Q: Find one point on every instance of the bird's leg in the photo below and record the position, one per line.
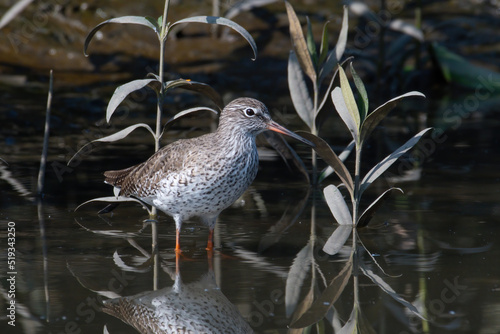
(178, 225)
(177, 241)
(210, 242)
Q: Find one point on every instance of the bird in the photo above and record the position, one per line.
(202, 176)
(195, 307)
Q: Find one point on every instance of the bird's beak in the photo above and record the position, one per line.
(273, 126)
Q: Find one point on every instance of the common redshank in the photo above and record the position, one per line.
(200, 177)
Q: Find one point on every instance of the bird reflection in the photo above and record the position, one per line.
(197, 307)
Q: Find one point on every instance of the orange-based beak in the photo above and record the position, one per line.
(273, 126)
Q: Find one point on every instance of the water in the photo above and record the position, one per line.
(433, 246)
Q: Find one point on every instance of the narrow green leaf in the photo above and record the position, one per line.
(338, 239)
(382, 166)
(349, 100)
(388, 289)
(296, 275)
(458, 70)
(323, 48)
(332, 80)
(115, 137)
(223, 22)
(343, 111)
(121, 92)
(362, 92)
(336, 54)
(326, 153)
(374, 118)
(337, 205)
(311, 46)
(299, 91)
(299, 43)
(140, 20)
(329, 296)
(368, 214)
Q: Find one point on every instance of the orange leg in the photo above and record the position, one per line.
(177, 241)
(210, 242)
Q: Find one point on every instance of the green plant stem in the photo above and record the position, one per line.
(314, 131)
(357, 197)
(161, 93)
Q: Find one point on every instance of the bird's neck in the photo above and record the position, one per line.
(236, 141)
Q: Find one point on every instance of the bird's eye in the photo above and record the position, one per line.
(249, 112)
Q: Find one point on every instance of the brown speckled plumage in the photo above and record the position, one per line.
(204, 175)
(193, 308)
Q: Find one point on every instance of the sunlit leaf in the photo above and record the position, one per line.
(387, 289)
(121, 92)
(323, 48)
(246, 5)
(140, 20)
(114, 137)
(338, 239)
(337, 205)
(112, 199)
(362, 9)
(342, 156)
(311, 46)
(299, 91)
(328, 155)
(362, 92)
(13, 12)
(329, 296)
(349, 99)
(368, 214)
(374, 118)
(299, 43)
(332, 80)
(343, 111)
(336, 54)
(223, 22)
(382, 166)
(406, 28)
(296, 275)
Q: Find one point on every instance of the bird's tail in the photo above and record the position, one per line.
(116, 177)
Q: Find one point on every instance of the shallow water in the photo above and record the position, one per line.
(435, 246)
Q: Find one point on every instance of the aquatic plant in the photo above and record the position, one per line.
(156, 81)
(318, 66)
(360, 124)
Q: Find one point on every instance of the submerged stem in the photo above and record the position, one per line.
(356, 196)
